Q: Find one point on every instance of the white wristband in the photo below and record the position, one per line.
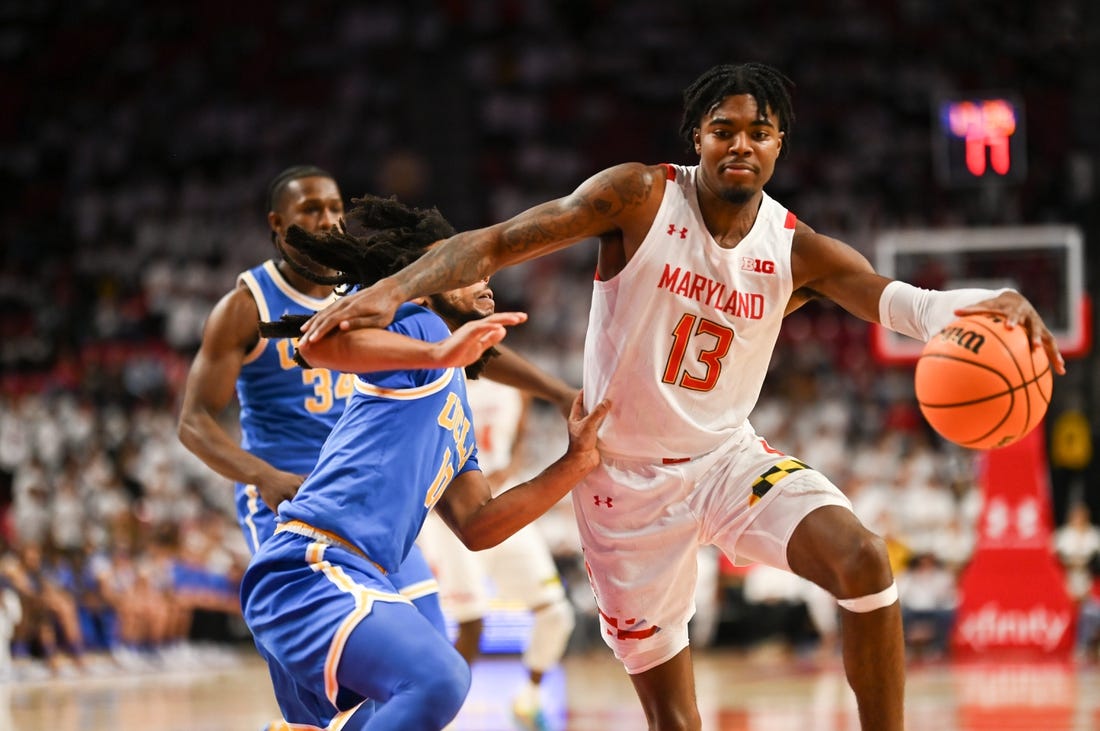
(921, 313)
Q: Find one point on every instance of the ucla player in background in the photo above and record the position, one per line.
(521, 568)
(318, 596)
(285, 412)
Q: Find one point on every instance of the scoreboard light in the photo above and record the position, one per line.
(980, 139)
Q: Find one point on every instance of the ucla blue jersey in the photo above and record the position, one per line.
(401, 440)
(286, 411)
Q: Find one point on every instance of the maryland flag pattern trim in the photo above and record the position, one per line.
(775, 473)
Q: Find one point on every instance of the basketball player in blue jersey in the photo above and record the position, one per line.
(285, 412)
(318, 596)
(697, 267)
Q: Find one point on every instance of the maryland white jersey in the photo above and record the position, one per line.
(497, 410)
(681, 338)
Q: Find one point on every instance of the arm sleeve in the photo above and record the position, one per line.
(921, 313)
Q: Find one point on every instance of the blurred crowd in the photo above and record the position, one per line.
(134, 185)
(134, 162)
(114, 541)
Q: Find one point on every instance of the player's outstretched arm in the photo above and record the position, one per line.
(368, 350)
(482, 521)
(598, 206)
(835, 270)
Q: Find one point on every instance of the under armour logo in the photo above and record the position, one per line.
(606, 502)
(672, 230)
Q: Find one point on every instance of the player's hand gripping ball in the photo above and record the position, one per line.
(980, 385)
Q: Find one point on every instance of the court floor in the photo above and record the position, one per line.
(738, 691)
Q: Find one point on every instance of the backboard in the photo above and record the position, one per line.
(1044, 263)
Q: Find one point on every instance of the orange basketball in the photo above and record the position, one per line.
(980, 385)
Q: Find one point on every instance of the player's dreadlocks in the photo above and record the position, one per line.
(768, 86)
(394, 235)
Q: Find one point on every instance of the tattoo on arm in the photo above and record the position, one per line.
(588, 212)
(614, 194)
(447, 266)
(547, 227)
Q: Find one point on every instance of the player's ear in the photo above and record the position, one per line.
(698, 140)
(275, 221)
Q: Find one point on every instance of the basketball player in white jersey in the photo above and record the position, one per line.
(520, 568)
(697, 267)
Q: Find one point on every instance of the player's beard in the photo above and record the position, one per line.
(456, 318)
(738, 196)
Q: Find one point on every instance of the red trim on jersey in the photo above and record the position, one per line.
(627, 634)
(791, 220)
(769, 448)
(596, 275)
(630, 634)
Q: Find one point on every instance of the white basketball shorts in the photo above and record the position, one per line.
(641, 525)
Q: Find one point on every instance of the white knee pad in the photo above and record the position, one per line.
(549, 635)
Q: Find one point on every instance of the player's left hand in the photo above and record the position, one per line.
(467, 343)
(583, 429)
(1017, 310)
(278, 486)
(371, 307)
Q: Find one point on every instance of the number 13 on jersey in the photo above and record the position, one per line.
(714, 342)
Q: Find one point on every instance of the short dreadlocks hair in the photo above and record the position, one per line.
(279, 183)
(393, 235)
(767, 85)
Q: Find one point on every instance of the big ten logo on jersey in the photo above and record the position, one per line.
(760, 266)
(453, 418)
(325, 391)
